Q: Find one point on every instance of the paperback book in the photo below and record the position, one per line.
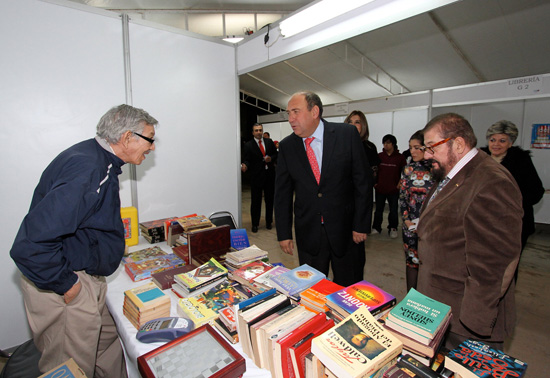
(316, 296)
(222, 295)
(201, 276)
(144, 254)
(357, 347)
(360, 294)
(420, 314)
(295, 281)
(195, 311)
(473, 359)
(143, 269)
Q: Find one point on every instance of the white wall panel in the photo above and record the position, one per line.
(190, 86)
(61, 70)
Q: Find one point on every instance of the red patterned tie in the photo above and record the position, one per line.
(312, 159)
(261, 147)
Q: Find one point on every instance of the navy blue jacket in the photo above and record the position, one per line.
(74, 219)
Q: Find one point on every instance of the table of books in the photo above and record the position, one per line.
(120, 282)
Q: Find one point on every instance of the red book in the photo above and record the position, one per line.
(316, 295)
(247, 273)
(297, 344)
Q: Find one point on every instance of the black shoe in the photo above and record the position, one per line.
(268, 226)
(254, 229)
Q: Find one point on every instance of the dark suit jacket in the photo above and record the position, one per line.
(469, 247)
(342, 198)
(253, 159)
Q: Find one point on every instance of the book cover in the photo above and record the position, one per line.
(264, 279)
(231, 335)
(356, 347)
(220, 296)
(147, 296)
(472, 359)
(239, 239)
(202, 275)
(213, 239)
(418, 368)
(420, 313)
(191, 223)
(144, 254)
(250, 271)
(361, 294)
(227, 316)
(165, 278)
(298, 279)
(143, 269)
(197, 312)
(183, 292)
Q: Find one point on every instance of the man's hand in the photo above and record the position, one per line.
(243, 167)
(358, 237)
(72, 292)
(267, 159)
(287, 246)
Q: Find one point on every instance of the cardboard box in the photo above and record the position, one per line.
(68, 369)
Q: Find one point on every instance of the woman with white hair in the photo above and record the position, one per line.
(500, 139)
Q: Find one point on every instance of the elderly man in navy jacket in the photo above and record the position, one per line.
(72, 237)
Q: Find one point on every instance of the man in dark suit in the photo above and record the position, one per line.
(469, 234)
(328, 183)
(260, 157)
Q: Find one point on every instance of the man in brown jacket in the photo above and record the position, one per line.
(469, 234)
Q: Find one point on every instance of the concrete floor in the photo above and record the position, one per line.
(385, 267)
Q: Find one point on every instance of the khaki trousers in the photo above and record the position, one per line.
(82, 329)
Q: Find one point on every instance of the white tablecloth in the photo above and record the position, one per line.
(120, 282)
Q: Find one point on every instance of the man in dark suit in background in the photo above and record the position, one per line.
(260, 157)
(324, 180)
(469, 234)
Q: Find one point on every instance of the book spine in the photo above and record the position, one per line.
(416, 367)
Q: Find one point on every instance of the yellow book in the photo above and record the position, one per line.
(196, 311)
(129, 217)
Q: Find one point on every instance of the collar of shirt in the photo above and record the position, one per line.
(317, 144)
(103, 143)
(462, 162)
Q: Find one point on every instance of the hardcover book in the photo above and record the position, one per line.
(360, 294)
(357, 347)
(201, 276)
(165, 279)
(143, 269)
(214, 239)
(297, 280)
(473, 359)
(419, 313)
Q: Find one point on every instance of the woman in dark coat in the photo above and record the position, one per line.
(357, 118)
(500, 139)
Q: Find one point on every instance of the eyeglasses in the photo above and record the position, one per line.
(150, 140)
(431, 148)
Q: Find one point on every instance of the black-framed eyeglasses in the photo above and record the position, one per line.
(150, 140)
(431, 148)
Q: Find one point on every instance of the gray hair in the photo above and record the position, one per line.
(123, 118)
(503, 127)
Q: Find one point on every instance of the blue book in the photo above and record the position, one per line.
(295, 281)
(239, 239)
(252, 300)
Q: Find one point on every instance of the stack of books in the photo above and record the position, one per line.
(145, 303)
(344, 302)
(153, 231)
(153, 260)
(226, 324)
(248, 273)
(315, 297)
(165, 279)
(238, 259)
(357, 347)
(420, 323)
(194, 223)
(407, 366)
(199, 280)
(473, 359)
(297, 280)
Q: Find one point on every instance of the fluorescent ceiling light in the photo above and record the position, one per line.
(318, 13)
(233, 39)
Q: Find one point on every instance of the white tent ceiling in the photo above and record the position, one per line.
(467, 42)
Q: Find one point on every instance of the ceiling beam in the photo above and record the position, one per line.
(456, 47)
